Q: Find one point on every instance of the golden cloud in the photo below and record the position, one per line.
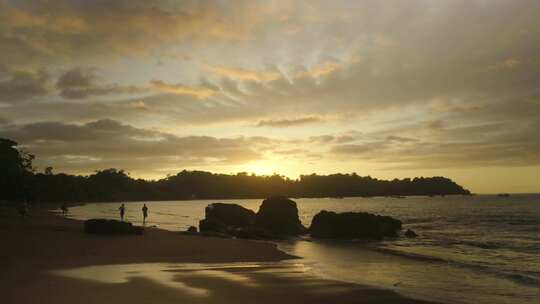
(506, 64)
(60, 30)
(242, 74)
(284, 123)
(321, 69)
(18, 18)
(178, 89)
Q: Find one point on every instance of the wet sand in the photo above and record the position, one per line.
(49, 259)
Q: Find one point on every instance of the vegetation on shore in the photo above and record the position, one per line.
(20, 181)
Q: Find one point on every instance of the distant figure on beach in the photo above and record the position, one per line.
(64, 208)
(22, 208)
(122, 212)
(144, 213)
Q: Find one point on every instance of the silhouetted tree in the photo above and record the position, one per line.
(112, 184)
(16, 171)
(48, 171)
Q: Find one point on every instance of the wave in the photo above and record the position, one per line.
(532, 278)
(529, 246)
(422, 220)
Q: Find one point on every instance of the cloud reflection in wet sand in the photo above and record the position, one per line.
(173, 275)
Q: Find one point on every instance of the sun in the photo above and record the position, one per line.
(260, 168)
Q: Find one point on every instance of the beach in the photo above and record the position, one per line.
(48, 258)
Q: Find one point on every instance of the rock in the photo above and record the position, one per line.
(353, 225)
(221, 217)
(192, 229)
(110, 227)
(230, 214)
(410, 234)
(212, 225)
(252, 232)
(279, 216)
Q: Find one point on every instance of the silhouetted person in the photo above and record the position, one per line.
(64, 208)
(122, 211)
(22, 208)
(144, 213)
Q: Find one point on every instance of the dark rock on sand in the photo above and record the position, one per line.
(192, 229)
(212, 225)
(279, 216)
(410, 234)
(353, 225)
(110, 227)
(221, 217)
(252, 232)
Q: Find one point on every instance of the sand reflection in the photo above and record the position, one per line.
(176, 275)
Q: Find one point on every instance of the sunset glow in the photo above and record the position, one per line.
(382, 88)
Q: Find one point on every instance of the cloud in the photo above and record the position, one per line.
(382, 40)
(285, 123)
(483, 145)
(77, 78)
(80, 31)
(79, 82)
(401, 139)
(22, 85)
(138, 104)
(321, 69)
(178, 89)
(103, 143)
(322, 138)
(383, 68)
(508, 63)
(436, 124)
(355, 149)
(331, 139)
(291, 152)
(511, 63)
(242, 74)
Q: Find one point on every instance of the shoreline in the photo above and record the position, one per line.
(45, 242)
(56, 238)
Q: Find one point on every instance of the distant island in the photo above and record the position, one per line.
(21, 182)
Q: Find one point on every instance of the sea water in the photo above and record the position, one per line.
(470, 249)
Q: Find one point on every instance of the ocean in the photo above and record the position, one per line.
(470, 249)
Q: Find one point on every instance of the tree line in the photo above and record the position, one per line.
(19, 181)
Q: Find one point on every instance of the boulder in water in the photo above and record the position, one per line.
(110, 227)
(221, 217)
(353, 225)
(410, 234)
(279, 216)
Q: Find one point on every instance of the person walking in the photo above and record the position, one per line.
(144, 213)
(22, 208)
(122, 212)
(64, 208)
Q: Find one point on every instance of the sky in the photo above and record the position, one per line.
(390, 89)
